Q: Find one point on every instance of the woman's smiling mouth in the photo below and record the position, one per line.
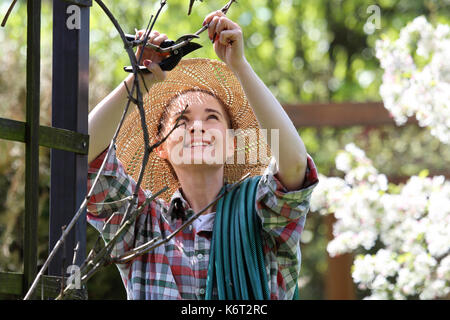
(195, 144)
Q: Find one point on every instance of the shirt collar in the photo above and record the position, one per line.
(207, 221)
(177, 195)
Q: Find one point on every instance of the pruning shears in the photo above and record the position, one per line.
(173, 50)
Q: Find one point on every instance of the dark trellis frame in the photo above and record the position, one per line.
(67, 138)
(70, 86)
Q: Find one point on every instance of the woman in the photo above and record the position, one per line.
(195, 162)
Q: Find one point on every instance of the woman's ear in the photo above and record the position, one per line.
(162, 152)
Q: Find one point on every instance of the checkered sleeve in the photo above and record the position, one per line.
(276, 205)
(109, 198)
(283, 215)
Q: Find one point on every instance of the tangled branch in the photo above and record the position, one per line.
(98, 258)
(11, 7)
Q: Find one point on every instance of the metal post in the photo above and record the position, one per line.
(32, 141)
(69, 111)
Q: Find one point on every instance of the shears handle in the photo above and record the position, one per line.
(166, 65)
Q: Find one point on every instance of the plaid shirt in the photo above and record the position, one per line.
(178, 269)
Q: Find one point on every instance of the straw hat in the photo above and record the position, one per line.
(203, 74)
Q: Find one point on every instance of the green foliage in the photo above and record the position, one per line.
(304, 50)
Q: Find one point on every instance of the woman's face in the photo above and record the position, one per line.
(203, 138)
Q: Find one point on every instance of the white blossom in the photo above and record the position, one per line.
(364, 269)
(409, 88)
(343, 161)
(411, 225)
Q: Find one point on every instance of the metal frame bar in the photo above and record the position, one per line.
(81, 3)
(32, 141)
(49, 137)
(69, 111)
(13, 284)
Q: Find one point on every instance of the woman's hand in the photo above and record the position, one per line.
(228, 41)
(151, 58)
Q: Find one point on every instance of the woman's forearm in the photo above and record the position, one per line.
(292, 157)
(105, 117)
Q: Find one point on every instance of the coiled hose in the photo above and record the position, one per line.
(236, 266)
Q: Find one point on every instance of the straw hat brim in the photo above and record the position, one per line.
(201, 74)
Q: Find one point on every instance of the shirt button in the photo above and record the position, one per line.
(201, 291)
(200, 256)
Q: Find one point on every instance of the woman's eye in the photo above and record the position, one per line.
(212, 116)
(182, 119)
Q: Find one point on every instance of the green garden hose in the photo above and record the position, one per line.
(226, 250)
(236, 266)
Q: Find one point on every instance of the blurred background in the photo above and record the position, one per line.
(306, 51)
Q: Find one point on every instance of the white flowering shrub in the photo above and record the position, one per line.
(410, 223)
(416, 78)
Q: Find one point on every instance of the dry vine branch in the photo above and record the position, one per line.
(11, 7)
(133, 60)
(97, 259)
(146, 247)
(102, 258)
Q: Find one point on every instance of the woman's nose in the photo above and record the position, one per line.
(197, 126)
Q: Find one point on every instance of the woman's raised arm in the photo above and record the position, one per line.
(229, 46)
(105, 117)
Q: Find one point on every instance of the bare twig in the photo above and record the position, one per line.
(63, 271)
(184, 42)
(94, 260)
(126, 225)
(100, 257)
(191, 3)
(113, 202)
(133, 253)
(97, 256)
(140, 106)
(75, 252)
(83, 206)
(11, 7)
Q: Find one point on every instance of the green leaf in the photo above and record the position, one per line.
(424, 173)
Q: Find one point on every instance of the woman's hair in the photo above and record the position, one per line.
(165, 114)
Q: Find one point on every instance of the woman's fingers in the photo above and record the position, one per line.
(210, 16)
(227, 38)
(159, 39)
(157, 72)
(211, 20)
(225, 24)
(218, 22)
(141, 35)
(155, 38)
(212, 26)
(151, 57)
